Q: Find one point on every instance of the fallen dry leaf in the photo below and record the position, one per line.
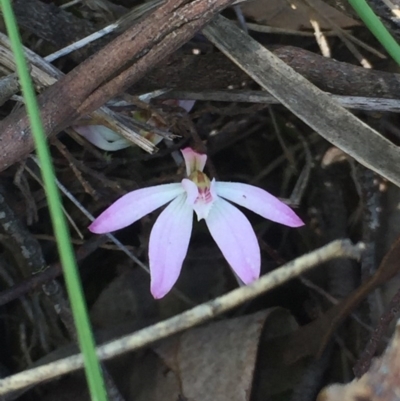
(216, 362)
(125, 299)
(281, 14)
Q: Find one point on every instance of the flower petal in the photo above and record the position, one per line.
(259, 201)
(133, 206)
(192, 191)
(235, 237)
(186, 104)
(102, 137)
(169, 241)
(194, 161)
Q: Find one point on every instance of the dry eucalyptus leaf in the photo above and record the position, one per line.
(143, 377)
(274, 378)
(216, 362)
(125, 299)
(282, 14)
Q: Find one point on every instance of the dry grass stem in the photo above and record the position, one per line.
(255, 96)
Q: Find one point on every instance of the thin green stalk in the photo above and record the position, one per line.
(375, 25)
(67, 257)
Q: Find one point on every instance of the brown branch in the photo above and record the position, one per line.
(215, 71)
(340, 78)
(96, 80)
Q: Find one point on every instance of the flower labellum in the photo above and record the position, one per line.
(210, 200)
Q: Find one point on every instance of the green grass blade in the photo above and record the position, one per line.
(375, 25)
(67, 257)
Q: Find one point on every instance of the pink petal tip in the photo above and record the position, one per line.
(194, 161)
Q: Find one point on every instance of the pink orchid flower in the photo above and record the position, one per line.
(169, 238)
